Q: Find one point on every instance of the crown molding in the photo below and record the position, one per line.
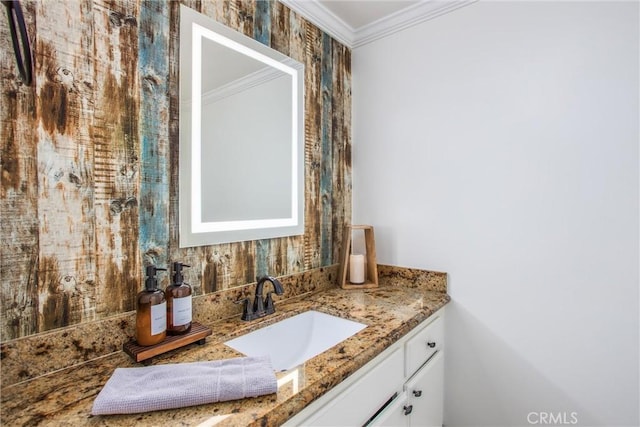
(324, 19)
(328, 22)
(405, 18)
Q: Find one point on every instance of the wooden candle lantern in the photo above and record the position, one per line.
(370, 264)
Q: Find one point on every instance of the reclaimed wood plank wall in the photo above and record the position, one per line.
(89, 183)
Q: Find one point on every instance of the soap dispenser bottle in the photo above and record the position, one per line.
(179, 311)
(151, 311)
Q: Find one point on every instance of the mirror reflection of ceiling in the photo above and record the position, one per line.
(222, 65)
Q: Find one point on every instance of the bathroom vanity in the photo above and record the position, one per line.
(403, 386)
(390, 368)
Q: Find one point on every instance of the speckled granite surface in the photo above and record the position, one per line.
(389, 275)
(36, 355)
(405, 298)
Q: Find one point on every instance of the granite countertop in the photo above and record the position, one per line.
(65, 397)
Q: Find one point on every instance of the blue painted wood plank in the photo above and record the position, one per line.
(153, 66)
(263, 255)
(326, 171)
(262, 33)
(262, 22)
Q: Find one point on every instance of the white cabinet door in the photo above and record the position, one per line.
(425, 392)
(356, 405)
(396, 414)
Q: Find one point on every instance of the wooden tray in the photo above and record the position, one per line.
(139, 353)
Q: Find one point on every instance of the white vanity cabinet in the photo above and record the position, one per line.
(395, 414)
(421, 402)
(360, 400)
(425, 394)
(403, 386)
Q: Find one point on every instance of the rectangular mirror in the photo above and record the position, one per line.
(241, 166)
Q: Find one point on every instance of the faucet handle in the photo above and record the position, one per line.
(247, 309)
(269, 308)
(258, 305)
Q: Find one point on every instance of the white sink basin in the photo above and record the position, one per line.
(291, 342)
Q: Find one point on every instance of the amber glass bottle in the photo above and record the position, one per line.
(151, 311)
(179, 311)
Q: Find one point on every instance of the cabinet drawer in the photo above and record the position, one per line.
(395, 414)
(362, 399)
(423, 345)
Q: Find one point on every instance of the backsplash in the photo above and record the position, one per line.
(32, 356)
(36, 355)
(89, 181)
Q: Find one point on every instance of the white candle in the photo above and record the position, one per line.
(356, 268)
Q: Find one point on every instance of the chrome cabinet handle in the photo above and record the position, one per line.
(417, 393)
(431, 344)
(408, 409)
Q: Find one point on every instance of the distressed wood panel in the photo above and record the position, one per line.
(262, 22)
(296, 41)
(64, 83)
(90, 158)
(153, 45)
(326, 163)
(18, 195)
(117, 154)
(281, 28)
(313, 145)
(295, 36)
(241, 16)
(341, 140)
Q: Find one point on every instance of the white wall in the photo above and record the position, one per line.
(499, 143)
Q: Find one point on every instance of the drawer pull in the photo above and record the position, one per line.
(417, 393)
(431, 344)
(408, 409)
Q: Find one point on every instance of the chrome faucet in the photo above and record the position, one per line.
(261, 307)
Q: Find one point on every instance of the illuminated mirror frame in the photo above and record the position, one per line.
(193, 231)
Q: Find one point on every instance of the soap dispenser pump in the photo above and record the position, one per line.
(151, 311)
(179, 309)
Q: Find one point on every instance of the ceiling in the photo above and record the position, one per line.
(358, 22)
(358, 13)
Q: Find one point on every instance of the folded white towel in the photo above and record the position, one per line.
(152, 388)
